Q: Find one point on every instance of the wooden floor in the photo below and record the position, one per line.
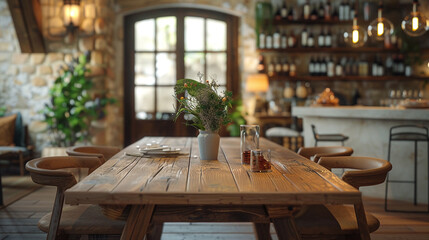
(19, 221)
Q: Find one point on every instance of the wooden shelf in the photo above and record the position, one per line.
(313, 22)
(348, 78)
(314, 50)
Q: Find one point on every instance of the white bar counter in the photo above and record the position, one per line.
(368, 131)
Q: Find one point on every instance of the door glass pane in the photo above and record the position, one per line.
(166, 103)
(216, 66)
(166, 33)
(144, 32)
(216, 35)
(166, 68)
(194, 63)
(144, 102)
(194, 34)
(144, 69)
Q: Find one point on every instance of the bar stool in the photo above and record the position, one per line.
(327, 137)
(414, 133)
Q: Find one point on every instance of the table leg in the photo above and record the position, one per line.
(138, 222)
(284, 221)
(262, 231)
(361, 221)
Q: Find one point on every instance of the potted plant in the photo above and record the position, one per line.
(72, 108)
(206, 109)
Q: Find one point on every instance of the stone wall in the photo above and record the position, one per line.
(25, 85)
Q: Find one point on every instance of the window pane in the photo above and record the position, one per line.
(194, 34)
(144, 102)
(144, 69)
(216, 35)
(166, 68)
(216, 66)
(166, 33)
(166, 103)
(194, 63)
(145, 35)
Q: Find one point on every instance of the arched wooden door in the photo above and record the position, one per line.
(161, 46)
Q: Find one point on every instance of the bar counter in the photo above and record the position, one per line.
(368, 131)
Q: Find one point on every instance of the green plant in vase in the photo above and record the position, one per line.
(206, 109)
(72, 108)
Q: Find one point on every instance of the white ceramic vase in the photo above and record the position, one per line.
(208, 143)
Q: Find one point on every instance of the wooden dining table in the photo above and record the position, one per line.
(184, 188)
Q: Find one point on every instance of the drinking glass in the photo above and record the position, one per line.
(249, 140)
(260, 160)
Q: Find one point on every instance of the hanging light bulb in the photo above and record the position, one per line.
(357, 36)
(380, 27)
(415, 23)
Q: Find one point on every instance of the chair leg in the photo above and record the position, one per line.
(21, 163)
(387, 177)
(56, 214)
(415, 172)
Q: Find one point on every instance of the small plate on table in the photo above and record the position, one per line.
(415, 103)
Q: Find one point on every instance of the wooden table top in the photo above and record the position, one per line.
(186, 179)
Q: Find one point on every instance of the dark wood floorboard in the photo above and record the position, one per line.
(19, 221)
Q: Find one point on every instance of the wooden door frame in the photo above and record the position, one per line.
(232, 78)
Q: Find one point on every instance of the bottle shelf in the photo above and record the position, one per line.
(314, 50)
(312, 22)
(348, 78)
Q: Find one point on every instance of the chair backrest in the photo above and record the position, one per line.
(314, 153)
(47, 171)
(313, 128)
(367, 171)
(410, 132)
(104, 153)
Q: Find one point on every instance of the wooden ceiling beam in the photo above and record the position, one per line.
(26, 19)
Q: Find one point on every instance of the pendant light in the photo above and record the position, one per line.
(381, 26)
(357, 36)
(415, 23)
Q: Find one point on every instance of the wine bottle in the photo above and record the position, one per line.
(338, 69)
(291, 14)
(321, 11)
(311, 67)
(276, 39)
(352, 11)
(261, 64)
(306, 10)
(341, 11)
(321, 40)
(261, 40)
(314, 13)
(310, 40)
(317, 67)
(328, 38)
(270, 69)
(291, 41)
(285, 67)
(304, 37)
(283, 40)
(278, 67)
(277, 14)
(269, 41)
(292, 69)
(323, 67)
(330, 68)
(328, 10)
(283, 11)
(346, 11)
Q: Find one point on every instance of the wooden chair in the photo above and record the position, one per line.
(104, 153)
(327, 137)
(71, 220)
(339, 221)
(314, 153)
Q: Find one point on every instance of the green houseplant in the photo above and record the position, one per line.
(72, 108)
(207, 110)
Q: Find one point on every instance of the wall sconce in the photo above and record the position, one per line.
(415, 23)
(380, 26)
(72, 17)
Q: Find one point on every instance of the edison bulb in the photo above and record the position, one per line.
(356, 37)
(414, 24)
(380, 27)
